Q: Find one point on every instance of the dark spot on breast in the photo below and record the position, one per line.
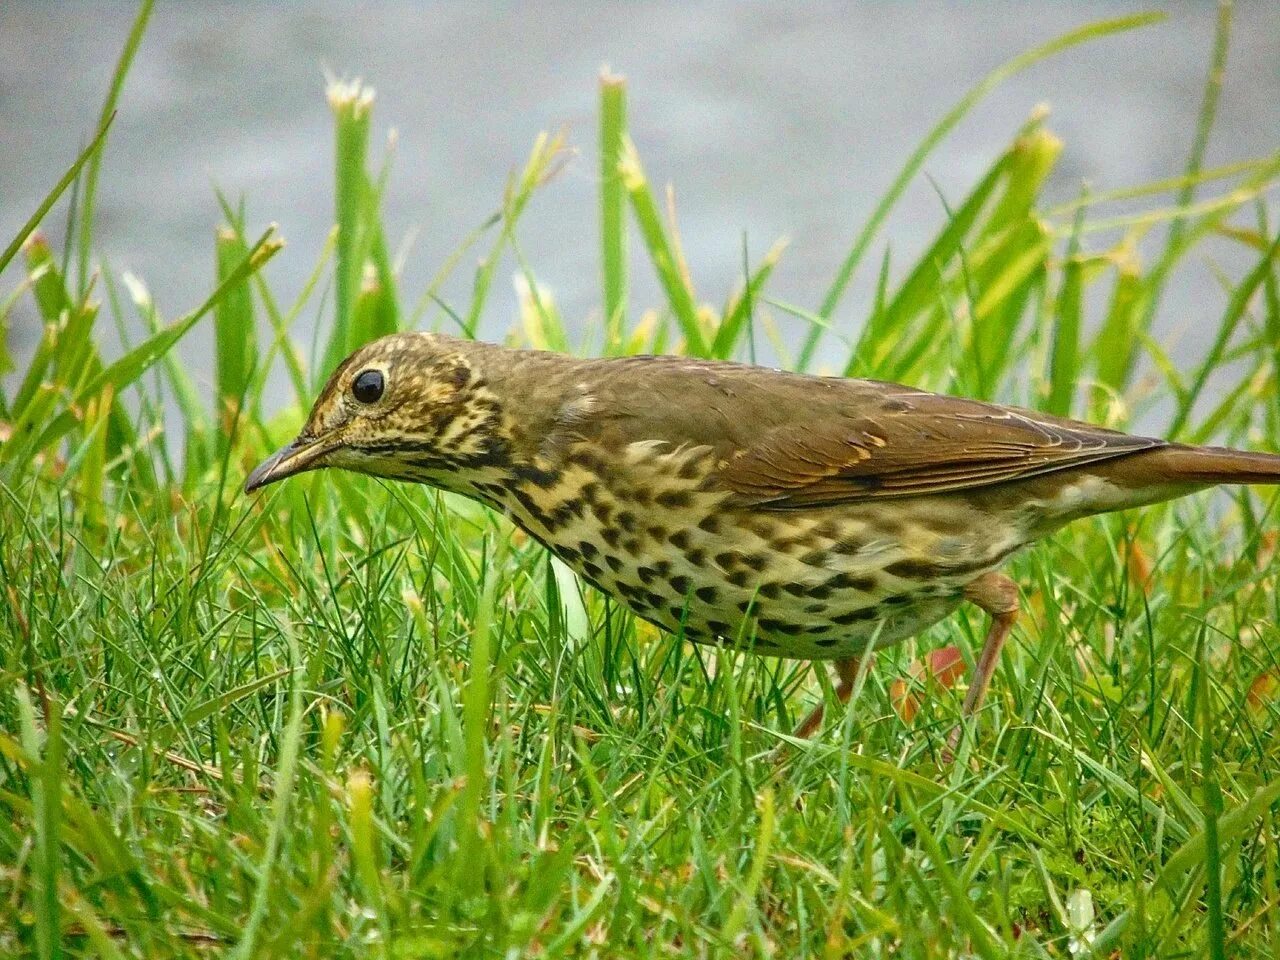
(603, 511)
(594, 582)
(531, 507)
(747, 605)
(567, 511)
(756, 561)
(588, 460)
(677, 613)
(655, 600)
(770, 590)
(591, 492)
(646, 574)
(627, 521)
(630, 591)
(460, 376)
(611, 536)
(739, 578)
(591, 569)
(631, 546)
(916, 569)
(614, 563)
(689, 468)
(679, 540)
(828, 642)
(728, 558)
(706, 594)
(710, 523)
(856, 616)
(587, 548)
(538, 476)
(796, 589)
(655, 533)
(815, 558)
(697, 557)
(815, 608)
(847, 581)
(673, 499)
(680, 584)
(719, 626)
(441, 418)
(898, 600)
(848, 545)
(663, 567)
(781, 626)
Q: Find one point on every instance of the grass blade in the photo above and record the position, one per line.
(544, 162)
(662, 251)
(46, 781)
(1239, 303)
(364, 851)
(123, 64)
(141, 358)
(1116, 346)
(738, 312)
(352, 106)
(1212, 793)
(234, 329)
(613, 200)
(52, 196)
(1064, 361)
(935, 136)
(1186, 195)
(286, 774)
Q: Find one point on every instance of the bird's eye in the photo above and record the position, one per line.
(368, 385)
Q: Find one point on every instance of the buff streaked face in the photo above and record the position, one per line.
(396, 396)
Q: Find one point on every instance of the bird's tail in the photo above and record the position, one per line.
(1179, 463)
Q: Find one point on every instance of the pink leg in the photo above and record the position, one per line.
(847, 671)
(997, 595)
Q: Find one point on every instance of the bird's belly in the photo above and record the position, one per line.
(824, 583)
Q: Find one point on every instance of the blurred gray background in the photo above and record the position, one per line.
(771, 119)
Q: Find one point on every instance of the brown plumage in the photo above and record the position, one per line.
(788, 514)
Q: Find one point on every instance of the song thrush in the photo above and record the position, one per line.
(792, 515)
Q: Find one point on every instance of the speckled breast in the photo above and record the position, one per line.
(654, 532)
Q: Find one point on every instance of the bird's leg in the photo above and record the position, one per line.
(847, 671)
(997, 595)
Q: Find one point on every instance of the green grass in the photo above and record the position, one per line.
(352, 719)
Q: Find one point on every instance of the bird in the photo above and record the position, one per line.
(780, 513)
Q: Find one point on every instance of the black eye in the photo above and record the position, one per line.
(367, 386)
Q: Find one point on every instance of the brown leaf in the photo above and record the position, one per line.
(939, 669)
(1264, 689)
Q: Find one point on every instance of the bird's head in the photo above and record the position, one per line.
(410, 406)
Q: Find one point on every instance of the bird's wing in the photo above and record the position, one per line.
(909, 443)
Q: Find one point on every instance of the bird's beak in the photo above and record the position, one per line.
(294, 457)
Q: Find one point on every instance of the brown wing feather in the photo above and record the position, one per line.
(919, 443)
